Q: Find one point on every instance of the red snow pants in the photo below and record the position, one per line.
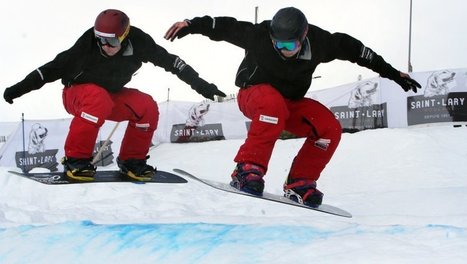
(91, 105)
(271, 113)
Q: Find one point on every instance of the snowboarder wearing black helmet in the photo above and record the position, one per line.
(281, 56)
(94, 72)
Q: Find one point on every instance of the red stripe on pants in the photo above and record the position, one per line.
(308, 118)
(94, 101)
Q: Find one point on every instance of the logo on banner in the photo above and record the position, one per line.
(106, 156)
(362, 111)
(37, 155)
(195, 129)
(440, 83)
(438, 103)
(363, 95)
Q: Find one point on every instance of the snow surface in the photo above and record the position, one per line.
(406, 189)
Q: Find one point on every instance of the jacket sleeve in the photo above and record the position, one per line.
(46, 73)
(239, 33)
(50, 71)
(169, 62)
(344, 47)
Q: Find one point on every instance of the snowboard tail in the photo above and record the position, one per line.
(53, 178)
(325, 208)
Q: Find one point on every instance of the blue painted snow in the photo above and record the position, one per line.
(81, 242)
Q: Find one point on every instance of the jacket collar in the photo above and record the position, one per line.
(128, 49)
(305, 52)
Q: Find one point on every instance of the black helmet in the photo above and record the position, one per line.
(288, 24)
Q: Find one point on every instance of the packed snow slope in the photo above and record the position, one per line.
(406, 189)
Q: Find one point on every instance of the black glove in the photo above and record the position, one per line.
(407, 83)
(33, 81)
(208, 90)
(13, 92)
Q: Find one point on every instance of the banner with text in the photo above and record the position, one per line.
(181, 122)
(367, 104)
(379, 102)
(43, 145)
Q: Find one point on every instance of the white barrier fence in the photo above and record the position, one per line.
(378, 102)
(368, 104)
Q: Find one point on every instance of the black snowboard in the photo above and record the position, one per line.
(101, 176)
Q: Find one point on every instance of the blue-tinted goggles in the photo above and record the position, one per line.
(108, 41)
(288, 45)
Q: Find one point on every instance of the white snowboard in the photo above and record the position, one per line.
(266, 196)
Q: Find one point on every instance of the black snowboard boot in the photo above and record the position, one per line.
(136, 169)
(81, 170)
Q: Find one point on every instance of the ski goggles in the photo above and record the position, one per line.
(288, 45)
(108, 41)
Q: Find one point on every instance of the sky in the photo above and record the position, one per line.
(406, 189)
(33, 33)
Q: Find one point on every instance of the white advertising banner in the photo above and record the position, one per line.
(442, 99)
(41, 145)
(379, 102)
(367, 104)
(7, 129)
(357, 106)
(181, 122)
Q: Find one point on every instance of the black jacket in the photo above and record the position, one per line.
(292, 78)
(85, 62)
